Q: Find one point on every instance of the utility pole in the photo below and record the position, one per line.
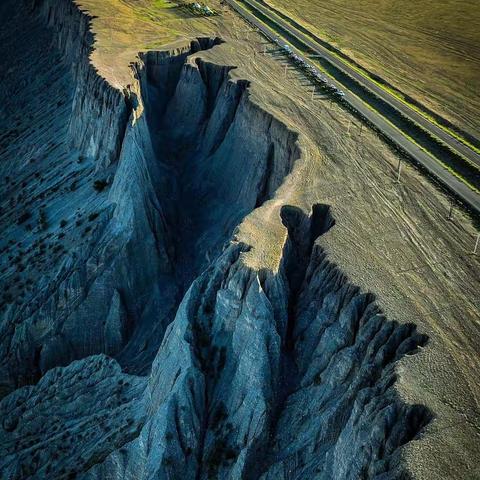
(476, 244)
(399, 170)
(286, 66)
(450, 213)
(313, 92)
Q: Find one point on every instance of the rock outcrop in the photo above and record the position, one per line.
(136, 342)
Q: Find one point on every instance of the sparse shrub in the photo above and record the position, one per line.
(63, 223)
(7, 297)
(100, 185)
(42, 220)
(92, 216)
(24, 217)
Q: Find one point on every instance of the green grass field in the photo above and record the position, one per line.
(430, 50)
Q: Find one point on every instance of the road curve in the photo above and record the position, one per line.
(432, 165)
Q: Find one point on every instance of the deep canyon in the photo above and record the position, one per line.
(137, 342)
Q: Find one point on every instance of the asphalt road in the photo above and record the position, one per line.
(470, 197)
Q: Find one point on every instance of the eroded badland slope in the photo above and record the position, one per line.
(207, 274)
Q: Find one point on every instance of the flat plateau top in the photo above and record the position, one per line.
(125, 27)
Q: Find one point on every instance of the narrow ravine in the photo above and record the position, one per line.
(212, 168)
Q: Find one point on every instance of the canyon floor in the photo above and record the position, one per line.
(208, 273)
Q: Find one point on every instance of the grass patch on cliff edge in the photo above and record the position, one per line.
(122, 28)
(163, 4)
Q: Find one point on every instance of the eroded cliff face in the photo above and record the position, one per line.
(110, 296)
(148, 347)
